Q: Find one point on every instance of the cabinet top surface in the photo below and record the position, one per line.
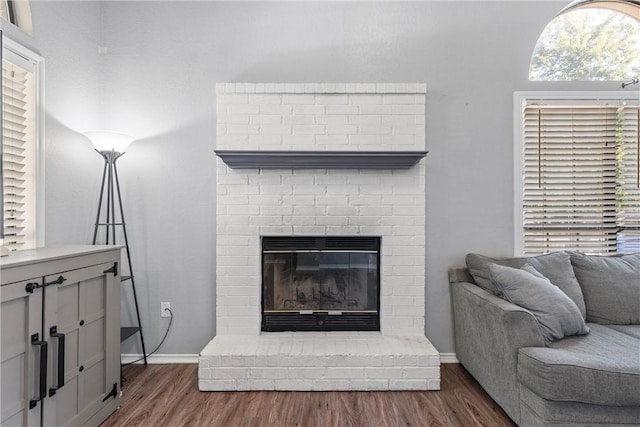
(52, 253)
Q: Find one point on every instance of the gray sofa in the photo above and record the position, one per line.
(587, 379)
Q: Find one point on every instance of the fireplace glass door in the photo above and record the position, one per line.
(320, 284)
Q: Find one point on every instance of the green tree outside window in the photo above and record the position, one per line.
(588, 44)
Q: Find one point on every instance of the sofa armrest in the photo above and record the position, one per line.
(488, 333)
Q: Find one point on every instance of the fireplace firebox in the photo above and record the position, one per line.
(320, 284)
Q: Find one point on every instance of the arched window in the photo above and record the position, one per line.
(590, 40)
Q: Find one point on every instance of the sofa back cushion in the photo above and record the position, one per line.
(555, 266)
(611, 287)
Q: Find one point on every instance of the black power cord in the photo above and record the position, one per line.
(161, 342)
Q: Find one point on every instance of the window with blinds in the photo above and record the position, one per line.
(18, 151)
(580, 177)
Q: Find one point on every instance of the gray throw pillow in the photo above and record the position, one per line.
(555, 266)
(557, 315)
(611, 287)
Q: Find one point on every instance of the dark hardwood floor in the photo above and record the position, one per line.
(167, 395)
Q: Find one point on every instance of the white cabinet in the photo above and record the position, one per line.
(60, 332)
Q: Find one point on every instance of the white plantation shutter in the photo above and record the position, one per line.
(18, 151)
(579, 173)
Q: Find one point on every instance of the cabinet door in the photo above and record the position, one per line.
(85, 309)
(21, 315)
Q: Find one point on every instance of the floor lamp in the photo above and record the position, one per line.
(111, 146)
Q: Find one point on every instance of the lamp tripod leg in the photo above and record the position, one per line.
(126, 243)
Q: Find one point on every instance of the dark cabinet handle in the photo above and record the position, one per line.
(113, 393)
(32, 286)
(58, 281)
(43, 370)
(61, 351)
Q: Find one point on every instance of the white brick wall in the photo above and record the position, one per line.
(282, 202)
(385, 203)
(324, 202)
(321, 117)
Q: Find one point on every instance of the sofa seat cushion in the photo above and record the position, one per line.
(633, 330)
(601, 368)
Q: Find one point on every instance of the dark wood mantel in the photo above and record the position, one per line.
(245, 159)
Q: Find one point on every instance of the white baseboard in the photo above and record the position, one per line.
(193, 358)
(161, 359)
(448, 358)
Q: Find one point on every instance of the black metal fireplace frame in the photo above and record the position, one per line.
(320, 320)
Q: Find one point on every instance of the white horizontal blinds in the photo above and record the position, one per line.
(18, 151)
(628, 179)
(569, 193)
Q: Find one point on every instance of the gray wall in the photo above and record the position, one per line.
(66, 35)
(156, 78)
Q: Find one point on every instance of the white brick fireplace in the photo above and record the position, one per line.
(352, 134)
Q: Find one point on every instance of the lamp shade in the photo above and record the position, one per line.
(109, 141)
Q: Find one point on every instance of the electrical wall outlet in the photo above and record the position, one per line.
(164, 309)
